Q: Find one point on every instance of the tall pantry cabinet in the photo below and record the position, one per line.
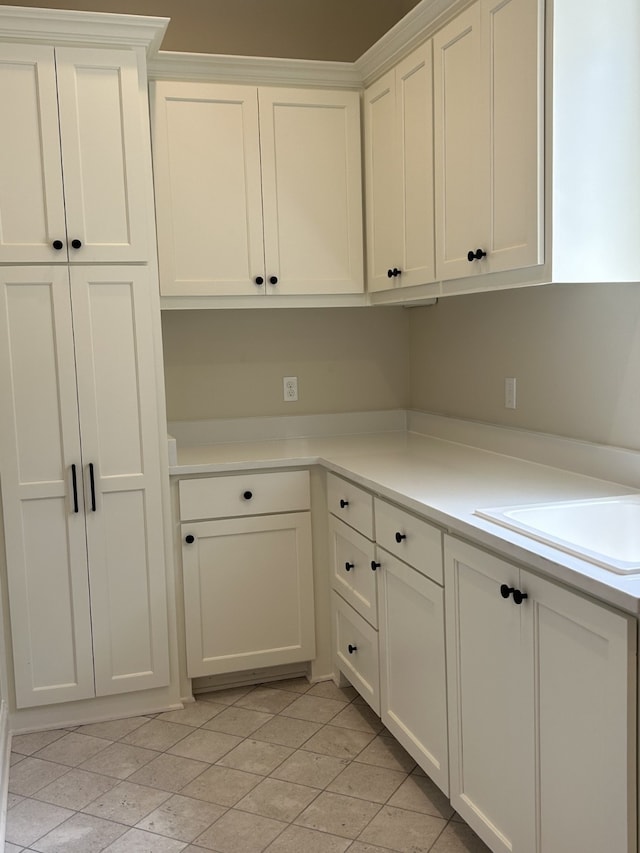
(80, 425)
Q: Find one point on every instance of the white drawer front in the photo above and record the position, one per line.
(350, 503)
(244, 494)
(410, 538)
(352, 556)
(357, 652)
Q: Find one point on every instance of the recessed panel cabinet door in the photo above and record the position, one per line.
(248, 593)
(311, 177)
(103, 154)
(118, 419)
(208, 189)
(43, 512)
(31, 198)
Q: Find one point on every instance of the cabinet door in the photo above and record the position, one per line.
(461, 119)
(413, 684)
(487, 740)
(103, 154)
(44, 527)
(120, 450)
(311, 178)
(208, 189)
(414, 123)
(248, 593)
(31, 199)
(512, 55)
(579, 702)
(383, 176)
(351, 571)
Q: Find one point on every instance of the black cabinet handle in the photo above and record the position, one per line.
(92, 482)
(348, 566)
(505, 591)
(519, 596)
(400, 537)
(74, 483)
(375, 565)
(247, 495)
(189, 538)
(57, 245)
(476, 256)
(343, 503)
(273, 279)
(394, 272)
(259, 280)
(351, 649)
(77, 244)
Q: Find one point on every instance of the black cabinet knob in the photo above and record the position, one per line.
(189, 538)
(400, 537)
(247, 495)
(259, 280)
(394, 272)
(57, 245)
(374, 565)
(476, 256)
(77, 244)
(273, 279)
(505, 591)
(519, 596)
(343, 503)
(351, 649)
(349, 566)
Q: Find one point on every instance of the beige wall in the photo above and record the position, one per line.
(302, 29)
(226, 364)
(574, 349)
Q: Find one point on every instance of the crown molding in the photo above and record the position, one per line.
(412, 30)
(65, 27)
(253, 70)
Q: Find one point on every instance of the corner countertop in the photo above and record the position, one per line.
(444, 482)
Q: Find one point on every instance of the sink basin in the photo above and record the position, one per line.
(604, 531)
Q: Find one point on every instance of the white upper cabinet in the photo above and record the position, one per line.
(488, 72)
(257, 190)
(71, 186)
(399, 174)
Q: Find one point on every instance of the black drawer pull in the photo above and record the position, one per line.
(92, 483)
(57, 245)
(374, 565)
(351, 649)
(400, 536)
(343, 503)
(519, 596)
(247, 495)
(77, 244)
(349, 566)
(74, 482)
(189, 538)
(505, 590)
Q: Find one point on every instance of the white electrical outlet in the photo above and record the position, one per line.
(290, 388)
(510, 392)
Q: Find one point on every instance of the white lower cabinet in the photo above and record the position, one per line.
(542, 697)
(81, 483)
(248, 579)
(389, 619)
(413, 687)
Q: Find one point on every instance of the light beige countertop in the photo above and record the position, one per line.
(443, 481)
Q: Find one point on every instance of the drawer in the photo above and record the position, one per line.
(350, 503)
(244, 494)
(410, 538)
(357, 651)
(351, 574)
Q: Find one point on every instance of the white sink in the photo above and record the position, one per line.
(604, 531)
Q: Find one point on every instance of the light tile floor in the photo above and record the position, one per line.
(282, 767)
